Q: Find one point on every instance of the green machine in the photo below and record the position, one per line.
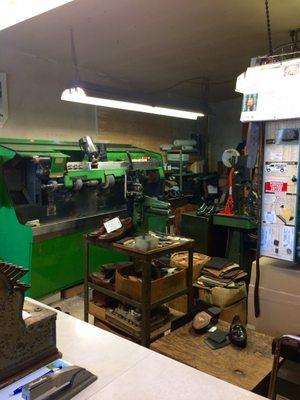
(52, 192)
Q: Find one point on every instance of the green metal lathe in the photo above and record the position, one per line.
(52, 192)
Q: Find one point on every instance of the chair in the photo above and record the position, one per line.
(286, 347)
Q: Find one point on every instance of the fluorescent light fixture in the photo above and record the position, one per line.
(14, 11)
(240, 86)
(82, 93)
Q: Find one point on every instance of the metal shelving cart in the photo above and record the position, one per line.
(145, 261)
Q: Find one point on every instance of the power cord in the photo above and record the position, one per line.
(268, 20)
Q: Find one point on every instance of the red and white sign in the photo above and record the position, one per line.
(275, 186)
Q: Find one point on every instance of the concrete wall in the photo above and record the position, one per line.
(225, 129)
(142, 130)
(35, 108)
(36, 111)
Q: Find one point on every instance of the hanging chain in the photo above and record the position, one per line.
(74, 55)
(269, 28)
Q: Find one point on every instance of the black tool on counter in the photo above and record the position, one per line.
(217, 339)
(61, 385)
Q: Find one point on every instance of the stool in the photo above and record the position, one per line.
(287, 347)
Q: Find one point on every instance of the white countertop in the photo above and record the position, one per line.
(127, 371)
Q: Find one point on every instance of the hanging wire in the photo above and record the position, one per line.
(269, 27)
(74, 55)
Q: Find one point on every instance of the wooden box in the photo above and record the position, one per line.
(160, 288)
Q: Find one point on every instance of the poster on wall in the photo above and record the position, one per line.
(279, 222)
(270, 91)
(3, 99)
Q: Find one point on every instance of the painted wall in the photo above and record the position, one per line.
(225, 128)
(36, 111)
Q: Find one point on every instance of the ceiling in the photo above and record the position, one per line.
(152, 45)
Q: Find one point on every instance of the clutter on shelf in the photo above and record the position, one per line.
(222, 284)
(113, 229)
(221, 272)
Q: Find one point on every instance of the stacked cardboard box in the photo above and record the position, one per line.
(221, 284)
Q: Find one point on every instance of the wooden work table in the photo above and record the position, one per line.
(247, 368)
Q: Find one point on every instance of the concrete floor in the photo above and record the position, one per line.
(73, 306)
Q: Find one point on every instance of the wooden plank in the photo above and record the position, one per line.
(245, 368)
(97, 311)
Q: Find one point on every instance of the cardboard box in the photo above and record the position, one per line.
(239, 308)
(279, 294)
(222, 297)
(160, 288)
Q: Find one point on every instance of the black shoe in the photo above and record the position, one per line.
(210, 211)
(238, 333)
(201, 209)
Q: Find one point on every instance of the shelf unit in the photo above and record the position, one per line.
(181, 174)
(145, 261)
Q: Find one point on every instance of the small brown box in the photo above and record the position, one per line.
(239, 308)
(160, 288)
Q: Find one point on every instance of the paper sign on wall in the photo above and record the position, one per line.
(275, 186)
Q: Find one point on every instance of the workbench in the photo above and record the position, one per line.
(240, 248)
(247, 368)
(222, 236)
(145, 259)
(126, 370)
(206, 235)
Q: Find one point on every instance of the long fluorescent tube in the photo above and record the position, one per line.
(14, 11)
(78, 95)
